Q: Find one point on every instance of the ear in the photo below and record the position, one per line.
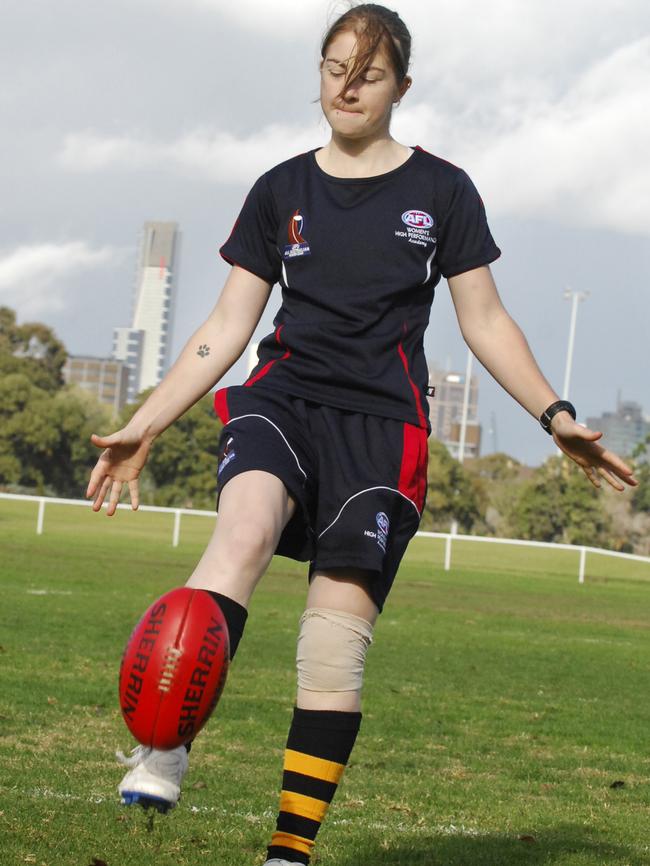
(404, 86)
(401, 90)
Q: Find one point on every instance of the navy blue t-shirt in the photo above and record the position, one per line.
(358, 260)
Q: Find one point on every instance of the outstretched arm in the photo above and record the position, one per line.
(207, 356)
(499, 344)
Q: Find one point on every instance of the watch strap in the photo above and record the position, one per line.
(559, 406)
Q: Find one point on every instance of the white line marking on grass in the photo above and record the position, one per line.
(267, 815)
(441, 829)
(49, 794)
(48, 592)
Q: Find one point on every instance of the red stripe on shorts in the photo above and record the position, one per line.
(221, 405)
(413, 471)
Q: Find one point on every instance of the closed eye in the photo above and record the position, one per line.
(363, 77)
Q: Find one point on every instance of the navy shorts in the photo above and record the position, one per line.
(359, 480)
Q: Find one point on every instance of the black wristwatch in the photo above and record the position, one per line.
(559, 406)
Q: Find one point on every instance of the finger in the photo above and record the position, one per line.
(103, 490)
(96, 478)
(106, 441)
(116, 490)
(614, 464)
(610, 479)
(592, 475)
(134, 490)
(586, 433)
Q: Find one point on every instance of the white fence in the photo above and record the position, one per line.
(580, 550)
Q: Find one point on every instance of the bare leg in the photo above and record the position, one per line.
(254, 508)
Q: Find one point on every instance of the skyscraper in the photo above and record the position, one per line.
(446, 411)
(146, 345)
(623, 429)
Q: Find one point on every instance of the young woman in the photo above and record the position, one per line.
(324, 448)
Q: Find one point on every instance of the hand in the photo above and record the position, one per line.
(121, 462)
(581, 445)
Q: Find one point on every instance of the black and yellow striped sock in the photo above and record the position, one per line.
(318, 748)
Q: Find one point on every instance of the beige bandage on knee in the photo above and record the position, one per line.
(332, 648)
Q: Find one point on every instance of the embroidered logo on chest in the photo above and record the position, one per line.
(297, 245)
(419, 228)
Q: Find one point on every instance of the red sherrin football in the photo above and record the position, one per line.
(174, 668)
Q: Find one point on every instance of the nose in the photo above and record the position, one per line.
(350, 95)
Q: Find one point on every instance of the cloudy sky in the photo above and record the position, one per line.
(115, 113)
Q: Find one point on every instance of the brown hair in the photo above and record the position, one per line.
(374, 26)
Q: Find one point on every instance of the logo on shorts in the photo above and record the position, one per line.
(381, 534)
(383, 525)
(297, 245)
(227, 455)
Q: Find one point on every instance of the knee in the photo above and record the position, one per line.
(250, 542)
(332, 647)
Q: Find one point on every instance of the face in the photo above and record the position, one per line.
(364, 109)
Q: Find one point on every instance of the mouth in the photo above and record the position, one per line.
(347, 111)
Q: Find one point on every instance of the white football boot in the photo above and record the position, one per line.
(276, 862)
(154, 777)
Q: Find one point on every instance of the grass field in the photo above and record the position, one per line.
(502, 702)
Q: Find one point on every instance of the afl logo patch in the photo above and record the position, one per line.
(298, 245)
(417, 219)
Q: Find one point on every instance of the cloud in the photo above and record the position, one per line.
(33, 277)
(580, 159)
(549, 123)
(281, 18)
(204, 153)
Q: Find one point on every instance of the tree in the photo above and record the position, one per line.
(452, 493)
(31, 349)
(495, 467)
(558, 504)
(45, 437)
(641, 494)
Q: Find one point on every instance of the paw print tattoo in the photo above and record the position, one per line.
(203, 350)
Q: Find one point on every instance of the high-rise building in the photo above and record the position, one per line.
(623, 429)
(106, 378)
(146, 345)
(446, 411)
(127, 345)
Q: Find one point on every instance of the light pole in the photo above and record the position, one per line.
(575, 298)
(463, 420)
(463, 423)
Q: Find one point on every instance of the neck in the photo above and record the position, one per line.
(365, 157)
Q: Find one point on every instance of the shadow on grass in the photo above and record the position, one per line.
(548, 847)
